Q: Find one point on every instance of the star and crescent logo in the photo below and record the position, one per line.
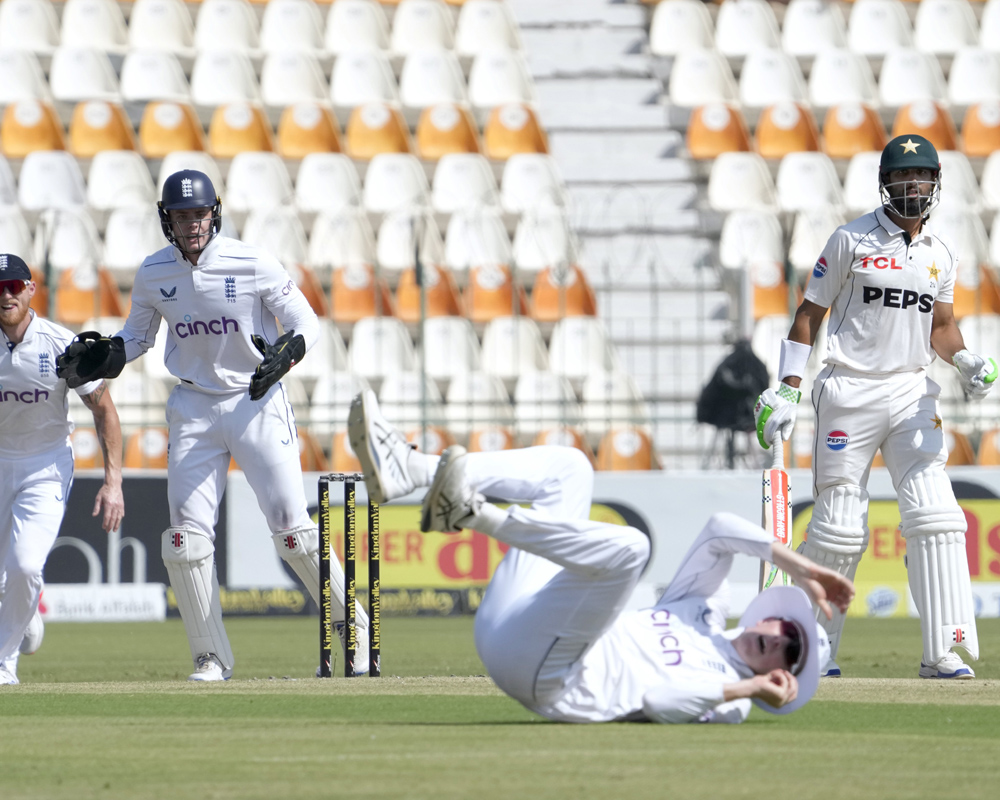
(937, 421)
(934, 271)
(910, 146)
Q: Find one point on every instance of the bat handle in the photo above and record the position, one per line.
(777, 453)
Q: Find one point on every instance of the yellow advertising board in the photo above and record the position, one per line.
(881, 580)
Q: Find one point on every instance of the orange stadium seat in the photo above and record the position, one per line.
(86, 449)
(98, 126)
(166, 127)
(716, 128)
(975, 293)
(960, 452)
(146, 448)
(238, 128)
(310, 286)
(981, 129)
(513, 128)
(487, 440)
(307, 128)
(311, 455)
(626, 449)
(490, 294)
(353, 294)
(342, 457)
(989, 448)
(432, 440)
(442, 294)
(376, 128)
(30, 125)
(83, 293)
(565, 436)
(852, 128)
(40, 302)
(446, 128)
(786, 128)
(562, 291)
(770, 289)
(930, 120)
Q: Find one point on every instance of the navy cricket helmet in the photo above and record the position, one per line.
(909, 151)
(184, 190)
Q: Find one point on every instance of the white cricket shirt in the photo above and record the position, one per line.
(670, 663)
(881, 291)
(211, 311)
(34, 407)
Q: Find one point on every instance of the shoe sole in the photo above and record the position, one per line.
(955, 676)
(449, 457)
(357, 434)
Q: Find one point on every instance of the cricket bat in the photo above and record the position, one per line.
(775, 512)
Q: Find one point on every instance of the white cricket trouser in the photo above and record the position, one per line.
(33, 495)
(206, 429)
(897, 412)
(565, 579)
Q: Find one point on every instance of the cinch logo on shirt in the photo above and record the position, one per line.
(899, 298)
(837, 440)
(670, 650)
(199, 327)
(27, 396)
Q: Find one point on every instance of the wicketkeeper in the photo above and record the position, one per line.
(220, 299)
(551, 629)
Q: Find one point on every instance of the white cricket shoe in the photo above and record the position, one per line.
(831, 670)
(33, 635)
(951, 666)
(209, 668)
(8, 671)
(382, 450)
(361, 652)
(452, 500)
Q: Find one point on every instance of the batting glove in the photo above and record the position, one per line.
(775, 412)
(978, 373)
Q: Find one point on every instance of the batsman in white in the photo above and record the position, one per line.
(36, 458)
(888, 284)
(552, 629)
(220, 299)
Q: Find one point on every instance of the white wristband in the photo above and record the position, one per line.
(793, 359)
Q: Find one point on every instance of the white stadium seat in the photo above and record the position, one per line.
(79, 73)
(356, 25)
(431, 77)
(421, 25)
(397, 236)
(30, 25)
(498, 77)
(974, 76)
(861, 193)
(50, 179)
(401, 397)
(680, 25)
(327, 182)
(958, 185)
(331, 399)
(750, 236)
(463, 180)
(810, 232)
(531, 180)
(329, 354)
(117, 179)
(66, 239)
(292, 76)
(291, 25)
(360, 77)
(380, 346)
(450, 347)
(341, 239)
(908, 76)
(808, 180)
(944, 27)
(223, 76)
(15, 236)
(811, 26)
(149, 75)
(476, 399)
(21, 77)
(227, 25)
(97, 24)
(484, 25)
(770, 77)
(701, 76)
(258, 180)
(512, 346)
(543, 239)
(544, 400)
(279, 231)
(841, 76)
(161, 25)
(131, 234)
(743, 26)
(991, 181)
(740, 181)
(394, 180)
(877, 27)
(580, 346)
(476, 237)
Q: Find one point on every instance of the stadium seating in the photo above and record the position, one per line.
(852, 128)
(307, 128)
(513, 128)
(356, 25)
(716, 128)
(743, 27)
(376, 128)
(786, 128)
(446, 128)
(238, 128)
(291, 25)
(30, 125)
(29, 25)
(96, 126)
(161, 25)
(680, 26)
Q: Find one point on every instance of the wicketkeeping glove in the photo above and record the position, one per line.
(278, 359)
(978, 373)
(775, 411)
(90, 357)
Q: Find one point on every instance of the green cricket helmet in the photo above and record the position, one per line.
(909, 199)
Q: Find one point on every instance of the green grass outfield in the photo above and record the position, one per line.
(104, 712)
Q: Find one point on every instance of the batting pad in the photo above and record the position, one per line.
(189, 557)
(837, 538)
(299, 548)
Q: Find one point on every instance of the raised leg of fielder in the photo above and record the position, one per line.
(204, 431)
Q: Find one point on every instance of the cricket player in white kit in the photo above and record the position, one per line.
(36, 459)
(888, 284)
(220, 299)
(551, 629)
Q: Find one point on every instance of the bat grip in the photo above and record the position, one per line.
(777, 453)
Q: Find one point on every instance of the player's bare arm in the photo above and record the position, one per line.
(805, 327)
(109, 497)
(776, 688)
(824, 586)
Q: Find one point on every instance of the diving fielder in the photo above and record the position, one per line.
(220, 298)
(551, 629)
(36, 458)
(888, 284)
